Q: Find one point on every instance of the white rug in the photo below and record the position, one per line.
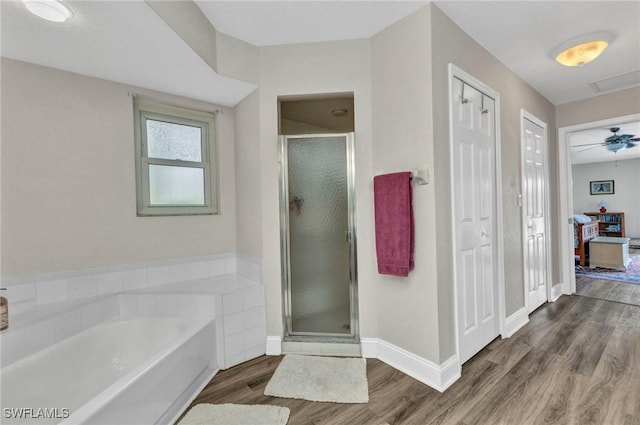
(235, 414)
(333, 379)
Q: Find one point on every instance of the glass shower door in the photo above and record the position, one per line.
(318, 234)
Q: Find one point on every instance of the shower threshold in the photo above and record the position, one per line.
(336, 349)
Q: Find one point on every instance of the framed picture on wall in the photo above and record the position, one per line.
(602, 187)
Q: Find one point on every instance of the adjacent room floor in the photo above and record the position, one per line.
(576, 361)
(609, 289)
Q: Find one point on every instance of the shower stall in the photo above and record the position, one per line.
(317, 214)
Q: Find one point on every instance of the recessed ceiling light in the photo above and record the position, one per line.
(51, 10)
(339, 112)
(581, 50)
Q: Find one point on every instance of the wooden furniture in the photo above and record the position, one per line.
(609, 253)
(611, 223)
(584, 233)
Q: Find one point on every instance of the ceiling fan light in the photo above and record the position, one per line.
(581, 50)
(615, 147)
(51, 10)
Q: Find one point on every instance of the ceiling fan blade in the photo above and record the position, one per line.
(631, 145)
(588, 144)
(588, 149)
(626, 136)
(635, 139)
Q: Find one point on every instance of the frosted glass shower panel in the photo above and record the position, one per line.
(170, 185)
(318, 233)
(167, 140)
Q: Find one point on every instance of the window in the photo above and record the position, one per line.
(175, 160)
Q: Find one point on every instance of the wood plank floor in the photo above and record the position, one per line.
(611, 290)
(576, 362)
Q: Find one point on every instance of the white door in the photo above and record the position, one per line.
(474, 187)
(534, 212)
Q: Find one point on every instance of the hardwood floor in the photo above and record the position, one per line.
(576, 362)
(609, 289)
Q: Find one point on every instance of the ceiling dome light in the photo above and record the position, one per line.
(51, 10)
(341, 112)
(581, 50)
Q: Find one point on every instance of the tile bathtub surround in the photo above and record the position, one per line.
(249, 267)
(167, 304)
(237, 303)
(24, 292)
(52, 324)
(244, 325)
(46, 309)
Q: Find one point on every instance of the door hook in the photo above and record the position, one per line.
(484, 111)
(464, 99)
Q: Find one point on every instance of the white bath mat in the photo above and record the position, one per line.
(235, 414)
(333, 379)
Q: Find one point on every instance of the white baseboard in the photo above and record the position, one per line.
(514, 322)
(557, 291)
(439, 377)
(274, 346)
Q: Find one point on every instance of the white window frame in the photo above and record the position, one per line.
(145, 109)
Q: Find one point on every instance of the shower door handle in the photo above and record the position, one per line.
(347, 235)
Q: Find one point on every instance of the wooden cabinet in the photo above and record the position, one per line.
(611, 223)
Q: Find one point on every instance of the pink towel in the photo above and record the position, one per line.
(394, 223)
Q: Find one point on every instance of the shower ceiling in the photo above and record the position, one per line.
(318, 113)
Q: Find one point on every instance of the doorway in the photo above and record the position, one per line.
(477, 235)
(565, 189)
(318, 237)
(590, 161)
(318, 226)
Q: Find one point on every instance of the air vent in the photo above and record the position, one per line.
(616, 83)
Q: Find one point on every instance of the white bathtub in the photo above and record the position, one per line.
(133, 371)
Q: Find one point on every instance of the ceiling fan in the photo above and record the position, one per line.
(616, 142)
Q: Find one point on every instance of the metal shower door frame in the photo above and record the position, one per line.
(285, 253)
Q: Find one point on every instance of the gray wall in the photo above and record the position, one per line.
(247, 175)
(612, 105)
(402, 131)
(452, 45)
(68, 178)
